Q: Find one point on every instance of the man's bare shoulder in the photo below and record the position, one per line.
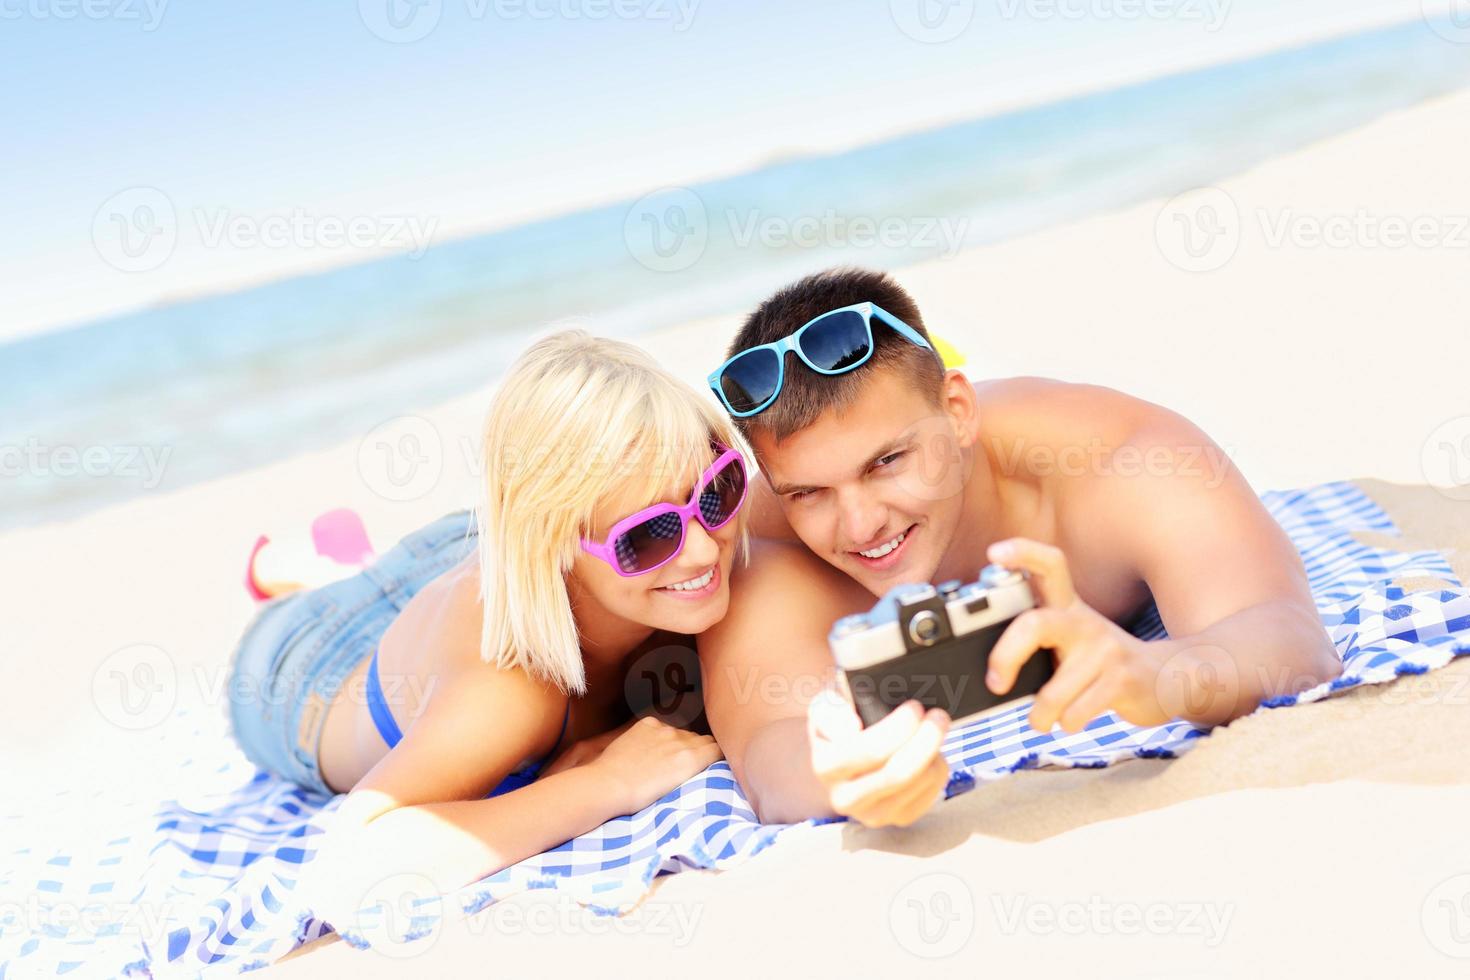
(1033, 411)
(785, 580)
(777, 565)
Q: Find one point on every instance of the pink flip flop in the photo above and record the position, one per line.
(337, 535)
(251, 585)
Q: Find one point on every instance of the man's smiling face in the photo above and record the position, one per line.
(876, 490)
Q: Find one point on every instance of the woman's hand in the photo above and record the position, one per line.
(585, 751)
(649, 758)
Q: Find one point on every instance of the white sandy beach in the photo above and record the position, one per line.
(1316, 833)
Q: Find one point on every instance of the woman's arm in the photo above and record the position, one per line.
(477, 724)
(454, 843)
(421, 810)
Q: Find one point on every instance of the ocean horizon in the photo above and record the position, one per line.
(223, 383)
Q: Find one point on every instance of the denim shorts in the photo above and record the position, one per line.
(294, 655)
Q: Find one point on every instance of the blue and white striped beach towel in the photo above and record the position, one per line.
(204, 882)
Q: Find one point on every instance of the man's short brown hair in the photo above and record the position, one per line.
(805, 395)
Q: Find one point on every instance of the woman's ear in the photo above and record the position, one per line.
(957, 395)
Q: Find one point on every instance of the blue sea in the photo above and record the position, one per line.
(225, 383)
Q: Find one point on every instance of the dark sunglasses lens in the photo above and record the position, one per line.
(721, 497)
(837, 340)
(751, 379)
(646, 545)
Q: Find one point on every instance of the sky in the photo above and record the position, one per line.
(251, 135)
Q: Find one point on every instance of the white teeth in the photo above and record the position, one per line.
(693, 584)
(884, 549)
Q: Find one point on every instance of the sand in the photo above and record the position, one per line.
(1322, 837)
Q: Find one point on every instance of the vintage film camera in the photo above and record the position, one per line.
(933, 644)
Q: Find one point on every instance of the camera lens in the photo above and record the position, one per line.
(924, 627)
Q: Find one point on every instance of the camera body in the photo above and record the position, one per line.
(932, 644)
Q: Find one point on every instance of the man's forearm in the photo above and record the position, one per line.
(1226, 670)
(778, 779)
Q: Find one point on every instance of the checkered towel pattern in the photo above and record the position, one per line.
(203, 883)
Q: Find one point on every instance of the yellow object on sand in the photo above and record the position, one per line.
(947, 353)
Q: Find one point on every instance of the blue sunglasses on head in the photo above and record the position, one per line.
(836, 342)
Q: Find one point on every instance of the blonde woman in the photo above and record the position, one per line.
(466, 690)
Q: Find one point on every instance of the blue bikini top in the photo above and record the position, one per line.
(388, 728)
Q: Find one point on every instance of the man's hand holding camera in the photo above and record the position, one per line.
(1100, 666)
(891, 772)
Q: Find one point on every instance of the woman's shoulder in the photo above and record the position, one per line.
(443, 624)
(460, 604)
(464, 617)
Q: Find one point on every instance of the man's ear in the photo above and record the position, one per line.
(957, 395)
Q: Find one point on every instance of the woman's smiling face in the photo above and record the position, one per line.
(690, 592)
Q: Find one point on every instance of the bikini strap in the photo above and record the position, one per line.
(378, 706)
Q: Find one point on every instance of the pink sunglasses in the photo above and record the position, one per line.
(654, 536)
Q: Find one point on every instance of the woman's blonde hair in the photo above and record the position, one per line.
(577, 418)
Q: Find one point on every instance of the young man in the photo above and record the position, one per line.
(897, 470)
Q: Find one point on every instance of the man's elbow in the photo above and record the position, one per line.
(1328, 663)
(778, 782)
(779, 808)
(1320, 661)
(1303, 655)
